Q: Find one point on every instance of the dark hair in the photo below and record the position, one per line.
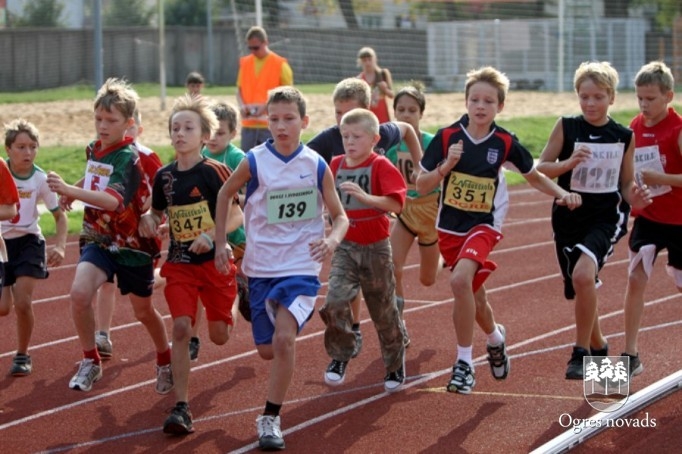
(414, 90)
(194, 78)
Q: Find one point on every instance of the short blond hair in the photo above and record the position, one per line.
(656, 73)
(489, 75)
(601, 73)
(363, 117)
(353, 89)
(200, 106)
(117, 94)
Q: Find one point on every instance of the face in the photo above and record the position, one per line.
(594, 102)
(186, 135)
(407, 110)
(111, 126)
(358, 143)
(194, 88)
(221, 138)
(483, 103)
(367, 64)
(285, 125)
(22, 153)
(257, 47)
(341, 107)
(653, 103)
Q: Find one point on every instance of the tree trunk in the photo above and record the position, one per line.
(348, 12)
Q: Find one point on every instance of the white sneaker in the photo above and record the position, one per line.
(269, 433)
(164, 379)
(104, 346)
(88, 373)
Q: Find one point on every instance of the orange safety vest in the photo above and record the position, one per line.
(254, 87)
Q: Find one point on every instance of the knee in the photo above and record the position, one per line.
(265, 351)
(427, 281)
(80, 299)
(182, 329)
(145, 313)
(4, 310)
(220, 336)
(460, 284)
(282, 344)
(583, 280)
(331, 313)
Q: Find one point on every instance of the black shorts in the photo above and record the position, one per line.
(138, 280)
(663, 236)
(26, 257)
(597, 243)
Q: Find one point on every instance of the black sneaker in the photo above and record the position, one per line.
(604, 351)
(574, 371)
(463, 378)
(194, 348)
(393, 381)
(335, 373)
(180, 420)
(358, 343)
(497, 357)
(243, 292)
(636, 366)
(21, 365)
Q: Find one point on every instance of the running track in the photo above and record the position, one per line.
(227, 385)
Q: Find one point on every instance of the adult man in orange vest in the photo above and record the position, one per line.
(259, 72)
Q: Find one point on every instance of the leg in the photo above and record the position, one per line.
(106, 301)
(194, 342)
(484, 312)
(401, 242)
(85, 284)
(23, 306)
(464, 309)
(429, 264)
(283, 355)
(496, 343)
(634, 306)
(588, 331)
(182, 331)
(146, 313)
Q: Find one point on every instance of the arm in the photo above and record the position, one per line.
(380, 202)
(7, 212)
(543, 184)
(101, 199)
(650, 177)
(386, 85)
(411, 138)
(548, 159)
(324, 247)
(634, 195)
(428, 181)
(56, 254)
(223, 208)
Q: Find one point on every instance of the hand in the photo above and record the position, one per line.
(580, 154)
(200, 245)
(354, 190)
(455, 152)
(147, 226)
(56, 184)
(570, 200)
(55, 256)
(223, 254)
(65, 203)
(322, 248)
(641, 196)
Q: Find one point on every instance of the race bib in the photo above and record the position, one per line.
(650, 158)
(187, 222)
(97, 176)
(291, 205)
(470, 193)
(600, 173)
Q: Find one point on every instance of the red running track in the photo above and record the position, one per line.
(122, 413)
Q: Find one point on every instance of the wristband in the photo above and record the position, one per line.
(208, 238)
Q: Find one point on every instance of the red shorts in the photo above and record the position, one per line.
(476, 245)
(186, 283)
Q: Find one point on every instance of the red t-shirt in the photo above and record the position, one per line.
(376, 176)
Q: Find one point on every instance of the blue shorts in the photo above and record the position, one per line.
(26, 257)
(138, 280)
(297, 293)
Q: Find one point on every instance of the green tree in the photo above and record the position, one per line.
(127, 13)
(41, 13)
(185, 12)
(666, 11)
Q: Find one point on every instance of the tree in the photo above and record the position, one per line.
(666, 11)
(41, 13)
(127, 13)
(185, 12)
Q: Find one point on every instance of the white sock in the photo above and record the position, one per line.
(495, 338)
(464, 354)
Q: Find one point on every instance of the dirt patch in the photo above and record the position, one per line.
(70, 122)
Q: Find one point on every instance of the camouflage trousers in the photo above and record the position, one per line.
(370, 268)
